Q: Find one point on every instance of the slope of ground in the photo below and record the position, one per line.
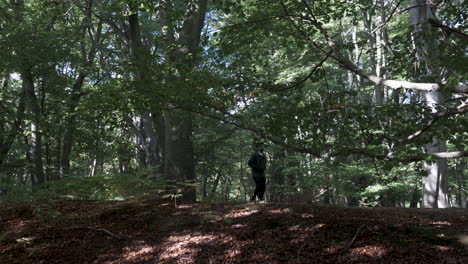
(159, 232)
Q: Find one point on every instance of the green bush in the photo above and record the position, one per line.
(99, 187)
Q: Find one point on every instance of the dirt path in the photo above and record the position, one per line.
(158, 232)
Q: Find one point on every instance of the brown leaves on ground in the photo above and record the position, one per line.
(158, 232)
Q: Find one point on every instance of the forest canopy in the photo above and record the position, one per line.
(360, 103)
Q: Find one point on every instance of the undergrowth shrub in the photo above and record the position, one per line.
(100, 187)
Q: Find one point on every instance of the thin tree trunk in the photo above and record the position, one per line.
(37, 167)
(205, 187)
(461, 183)
(88, 58)
(241, 173)
(215, 185)
(70, 126)
(58, 161)
(93, 168)
(277, 176)
(328, 195)
(148, 139)
(374, 57)
(15, 127)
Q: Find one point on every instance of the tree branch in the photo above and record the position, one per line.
(388, 18)
(102, 230)
(324, 154)
(303, 80)
(449, 30)
(349, 65)
(435, 118)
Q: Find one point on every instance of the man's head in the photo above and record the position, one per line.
(260, 146)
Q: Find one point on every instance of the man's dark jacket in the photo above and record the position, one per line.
(258, 163)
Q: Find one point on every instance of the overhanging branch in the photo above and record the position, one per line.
(304, 79)
(323, 153)
(435, 118)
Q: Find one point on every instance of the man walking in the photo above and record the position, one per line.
(258, 164)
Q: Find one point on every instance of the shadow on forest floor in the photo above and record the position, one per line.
(153, 231)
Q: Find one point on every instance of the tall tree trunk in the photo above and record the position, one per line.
(37, 167)
(242, 170)
(277, 176)
(179, 159)
(147, 127)
(435, 184)
(179, 156)
(374, 54)
(328, 195)
(149, 142)
(215, 185)
(88, 57)
(70, 125)
(152, 143)
(460, 169)
(6, 144)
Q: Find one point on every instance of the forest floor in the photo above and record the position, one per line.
(153, 231)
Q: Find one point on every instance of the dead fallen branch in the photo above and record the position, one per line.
(354, 238)
(102, 230)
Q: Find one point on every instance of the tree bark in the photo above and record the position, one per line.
(70, 126)
(6, 144)
(148, 126)
(277, 175)
(88, 57)
(435, 184)
(242, 170)
(37, 167)
(460, 169)
(179, 156)
(150, 142)
(179, 160)
(215, 186)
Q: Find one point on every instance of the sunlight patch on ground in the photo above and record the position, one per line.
(26, 240)
(240, 213)
(295, 228)
(317, 226)
(280, 211)
(185, 206)
(184, 248)
(306, 215)
(307, 229)
(238, 226)
(332, 249)
(371, 251)
(232, 253)
(441, 248)
(137, 252)
(439, 223)
(304, 232)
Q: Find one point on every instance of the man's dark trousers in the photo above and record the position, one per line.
(260, 181)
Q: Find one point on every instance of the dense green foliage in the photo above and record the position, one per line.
(276, 70)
